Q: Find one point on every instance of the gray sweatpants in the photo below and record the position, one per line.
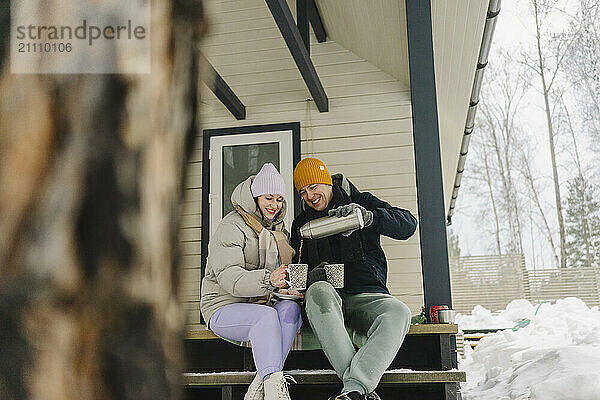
(381, 318)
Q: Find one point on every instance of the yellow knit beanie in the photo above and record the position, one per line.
(309, 171)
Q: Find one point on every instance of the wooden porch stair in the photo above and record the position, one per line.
(422, 369)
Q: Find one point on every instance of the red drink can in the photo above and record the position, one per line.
(433, 311)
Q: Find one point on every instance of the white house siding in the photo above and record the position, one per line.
(366, 135)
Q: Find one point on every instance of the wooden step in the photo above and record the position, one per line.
(427, 347)
(323, 377)
(423, 329)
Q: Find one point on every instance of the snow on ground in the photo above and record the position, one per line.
(555, 357)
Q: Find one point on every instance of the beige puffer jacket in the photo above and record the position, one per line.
(232, 272)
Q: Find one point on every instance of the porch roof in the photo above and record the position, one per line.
(376, 32)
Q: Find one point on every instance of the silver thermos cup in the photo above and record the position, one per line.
(327, 226)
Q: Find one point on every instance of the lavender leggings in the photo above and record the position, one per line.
(270, 330)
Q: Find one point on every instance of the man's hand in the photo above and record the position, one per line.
(342, 211)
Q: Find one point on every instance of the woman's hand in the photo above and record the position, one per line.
(293, 292)
(278, 276)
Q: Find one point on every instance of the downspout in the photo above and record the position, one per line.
(482, 60)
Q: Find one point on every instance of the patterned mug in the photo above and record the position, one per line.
(297, 274)
(335, 275)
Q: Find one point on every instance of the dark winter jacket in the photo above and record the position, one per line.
(370, 274)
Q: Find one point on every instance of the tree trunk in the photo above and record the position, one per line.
(512, 195)
(545, 92)
(517, 234)
(508, 190)
(490, 187)
(536, 198)
(91, 170)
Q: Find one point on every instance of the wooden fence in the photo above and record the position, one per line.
(493, 281)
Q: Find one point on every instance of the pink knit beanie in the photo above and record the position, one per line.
(267, 181)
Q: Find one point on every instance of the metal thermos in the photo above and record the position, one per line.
(446, 316)
(327, 226)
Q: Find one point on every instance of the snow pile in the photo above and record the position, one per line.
(555, 357)
(482, 318)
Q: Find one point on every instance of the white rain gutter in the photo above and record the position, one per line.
(484, 51)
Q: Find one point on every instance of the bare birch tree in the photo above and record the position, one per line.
(490, 186)
(481, 183)
(498, 119)
(535, 196)
(91, 171)
(582, 71)
(546, 62)
(582, 66)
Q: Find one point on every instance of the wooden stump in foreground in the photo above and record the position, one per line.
(91, 176)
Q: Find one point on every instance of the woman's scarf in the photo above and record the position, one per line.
(273, 246)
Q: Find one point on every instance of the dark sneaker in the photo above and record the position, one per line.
(372, 396)
(348, 396)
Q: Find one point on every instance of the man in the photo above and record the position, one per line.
(364, 304)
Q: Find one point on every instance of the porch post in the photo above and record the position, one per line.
(430, 193)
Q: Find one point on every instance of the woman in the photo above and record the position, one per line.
(247, 259)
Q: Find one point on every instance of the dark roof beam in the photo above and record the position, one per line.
(316, 22)
(302, 22)
(224, 93)
(287, 26)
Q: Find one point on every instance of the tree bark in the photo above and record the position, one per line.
(91, 171)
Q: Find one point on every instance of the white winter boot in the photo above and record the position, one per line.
(276, 387)
(256, 389)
